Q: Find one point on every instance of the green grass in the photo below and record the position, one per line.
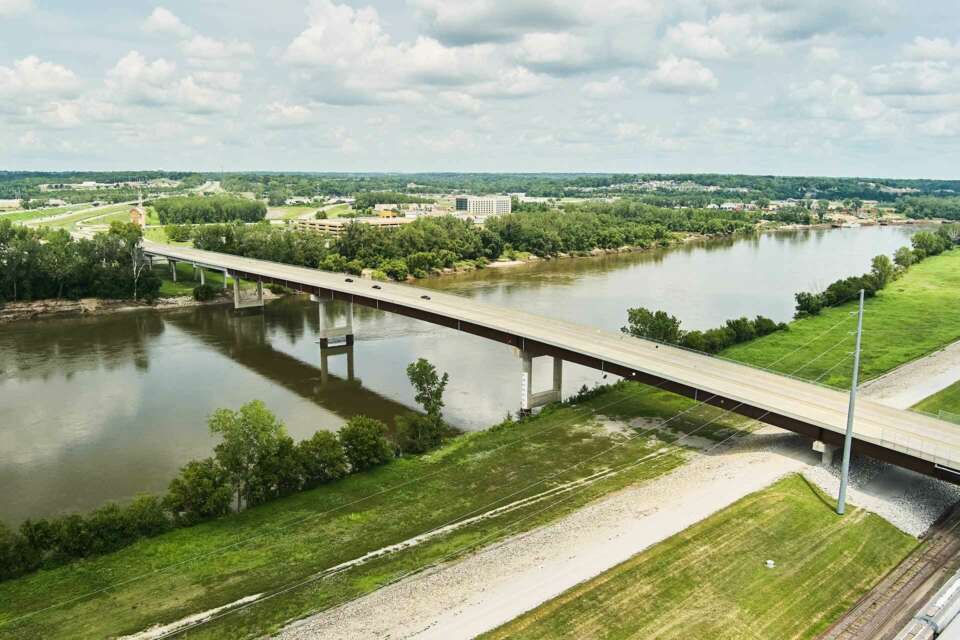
(185, 280)
(68, 222)
(309, 532)
(943, 402)
(911, 318)
(33, 214)
(710, 581)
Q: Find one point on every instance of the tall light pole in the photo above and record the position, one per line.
(848, 438)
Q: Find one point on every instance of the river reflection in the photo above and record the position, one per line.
(93, 409)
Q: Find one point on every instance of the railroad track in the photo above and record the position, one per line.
(886, 608)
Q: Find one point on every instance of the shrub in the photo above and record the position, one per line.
(146, 516)
(179, 232)
(204, 292)
(395, 269)
(322, 458)
(364, 443)
(419, 433)
(201, 491)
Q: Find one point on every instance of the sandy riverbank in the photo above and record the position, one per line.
(493, 586)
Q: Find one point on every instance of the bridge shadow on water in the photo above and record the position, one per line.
(245, 338)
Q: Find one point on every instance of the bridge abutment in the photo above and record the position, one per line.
(529, 399)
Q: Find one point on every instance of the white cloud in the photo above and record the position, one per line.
(947, 125)
(15, 7)
(193, 96)
(31, 79)
(205, 51)
(493, 20)
(163, 22)
(599, 89)
(913, 78)
(932, 49)
(557, 52)
(135, 80)
(681, 75)
(281, 114)
(824, 55)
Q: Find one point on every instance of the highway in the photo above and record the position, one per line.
(904, 438)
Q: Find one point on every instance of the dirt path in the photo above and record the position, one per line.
(907, 385)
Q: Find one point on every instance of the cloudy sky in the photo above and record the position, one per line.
(826, 87)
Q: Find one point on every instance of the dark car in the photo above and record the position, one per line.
(424, 297)
(376, 286)
(348, 279)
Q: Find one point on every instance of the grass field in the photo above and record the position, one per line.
(946, 401)
(309, 532)
(68, 222)
(33, 214)
(912, 317)
(185, 280)
(711, 582)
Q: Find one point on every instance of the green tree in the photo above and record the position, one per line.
(249, 435)
(429, 386)
(883, 270)
(660, 326)
(364, 443)
(201, 491)
(904, 257)
(322, 458)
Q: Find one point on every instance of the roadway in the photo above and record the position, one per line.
(904, 438)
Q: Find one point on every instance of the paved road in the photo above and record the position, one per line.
(909, 439)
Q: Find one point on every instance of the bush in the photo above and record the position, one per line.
(201, 491)
(364, 443)
(419, 433)
(395, 269)
(205, 292)
(179, 232)
(322, 459)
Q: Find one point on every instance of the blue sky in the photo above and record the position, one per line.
(861, 87)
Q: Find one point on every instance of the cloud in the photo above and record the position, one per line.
(913, 78)
(947, 125)
(600, 89)
(163, 22)
(281, 114)
(555, 52)
(192, 96)
(823, 55)
(135, 80)
(15, 7)
(205, 51)
(460, 23)
(31, 79)
(681, 75)
(932, 49)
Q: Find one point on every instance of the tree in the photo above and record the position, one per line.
(418, 433)
(883, 270)
(660, 326)
(58, 259)
(250, 434)
(322, 458)
(904, 257)
(364, 443)
(429, 386)
(201, 491)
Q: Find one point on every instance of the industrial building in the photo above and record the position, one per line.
(483, 205)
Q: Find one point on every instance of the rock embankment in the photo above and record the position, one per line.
(17, 311)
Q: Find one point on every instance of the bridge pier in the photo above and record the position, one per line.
(173, 269)
(240, 303)
(329, 330)
(530, 400)
(826, 452)
(225, 278)
(203, 279)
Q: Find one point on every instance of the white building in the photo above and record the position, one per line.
(484, 206)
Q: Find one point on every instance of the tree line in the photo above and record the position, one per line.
(663, 327)
(254, 462)
(48, 263)
(208, 209)
(921, 207)
(883, 270)
(429, 244)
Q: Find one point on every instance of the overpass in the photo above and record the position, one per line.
(904, 438)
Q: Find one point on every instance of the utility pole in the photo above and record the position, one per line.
(848, 438)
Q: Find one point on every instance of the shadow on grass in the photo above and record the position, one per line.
(819, 494)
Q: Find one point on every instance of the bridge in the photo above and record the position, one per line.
(904, 438)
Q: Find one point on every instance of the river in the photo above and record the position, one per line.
(101, 408)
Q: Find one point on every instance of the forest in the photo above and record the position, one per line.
(204, 210)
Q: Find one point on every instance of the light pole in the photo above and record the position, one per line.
(848, 438)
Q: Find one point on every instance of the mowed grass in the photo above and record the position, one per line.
(187, 571)
(711, 582)
(187, 280)
(946, 401)
(33, 214)
(911, 318)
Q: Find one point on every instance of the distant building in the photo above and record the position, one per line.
(335, 226)
(138, 216)
(483, 205)
(13, 203)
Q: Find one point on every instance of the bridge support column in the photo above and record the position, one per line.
(240, 303)
(329, 335)
(529, 400)
(173, 269)
(225, 278)
(826, 452)
(203, 279)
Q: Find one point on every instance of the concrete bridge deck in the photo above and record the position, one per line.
(904, 438)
